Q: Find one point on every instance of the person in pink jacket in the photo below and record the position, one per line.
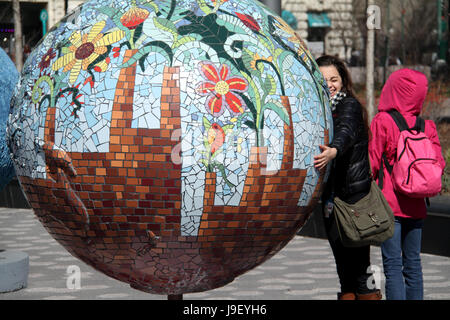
(404, 91)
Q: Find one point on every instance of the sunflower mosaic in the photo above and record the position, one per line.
(84, 49)
(169, 144)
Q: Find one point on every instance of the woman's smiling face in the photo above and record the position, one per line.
(334, 80)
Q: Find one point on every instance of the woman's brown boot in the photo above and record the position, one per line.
(346, 296)
(370, 296)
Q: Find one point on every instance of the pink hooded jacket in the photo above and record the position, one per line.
(405, 91)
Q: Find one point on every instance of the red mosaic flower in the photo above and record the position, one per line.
(46, 59)
(249, 21)
(221, 90)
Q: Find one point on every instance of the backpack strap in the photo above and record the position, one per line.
(420, 125)
(399, 120)
(403, 125)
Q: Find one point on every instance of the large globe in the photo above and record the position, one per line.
(8, 79)
(170, 144)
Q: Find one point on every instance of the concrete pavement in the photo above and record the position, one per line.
(303, 270)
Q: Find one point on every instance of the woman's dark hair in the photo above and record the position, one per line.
(347, 83)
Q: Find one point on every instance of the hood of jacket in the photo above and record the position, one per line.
(405, 90)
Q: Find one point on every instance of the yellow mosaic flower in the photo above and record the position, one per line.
(256, 58)
(85, 49)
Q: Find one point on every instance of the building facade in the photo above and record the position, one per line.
(326, 25)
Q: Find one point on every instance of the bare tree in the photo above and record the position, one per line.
(419, 34)
(412, 29)
(18, 35)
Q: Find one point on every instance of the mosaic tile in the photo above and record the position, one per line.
(169, 144)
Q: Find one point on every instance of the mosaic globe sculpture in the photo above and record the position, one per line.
(170, 144)
(8, 79)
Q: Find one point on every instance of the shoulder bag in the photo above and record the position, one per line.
(370, 221)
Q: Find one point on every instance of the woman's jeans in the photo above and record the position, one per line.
(401, 261)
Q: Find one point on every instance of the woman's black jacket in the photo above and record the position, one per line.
(351, 172)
